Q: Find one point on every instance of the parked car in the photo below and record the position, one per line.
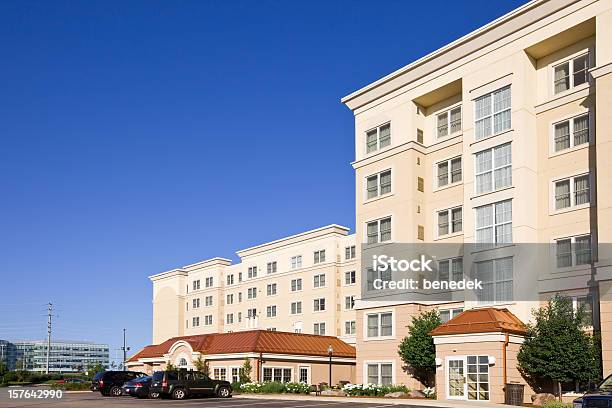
(139, 387)
(110, 382)
(599, 396)
(183, 384)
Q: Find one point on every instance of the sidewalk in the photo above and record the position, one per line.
(379, 401)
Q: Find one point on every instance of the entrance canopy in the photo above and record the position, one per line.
(486, 320)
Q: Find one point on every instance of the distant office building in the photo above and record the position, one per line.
(65, 356)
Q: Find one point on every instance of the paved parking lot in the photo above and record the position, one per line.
(95, 400)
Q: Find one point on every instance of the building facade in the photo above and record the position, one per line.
(306, 283)
(64, 357)
(501, 137)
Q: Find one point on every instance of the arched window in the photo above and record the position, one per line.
(182, 362)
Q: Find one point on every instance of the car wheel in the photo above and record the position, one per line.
(179, 394)
(154, 395)
(224, 392)
(115, 391)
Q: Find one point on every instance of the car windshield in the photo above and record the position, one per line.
(606, 385)
(142, 379)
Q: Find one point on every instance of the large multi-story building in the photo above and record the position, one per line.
(502, 138)
(65, 356)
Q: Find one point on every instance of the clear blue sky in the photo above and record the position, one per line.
(138, 136)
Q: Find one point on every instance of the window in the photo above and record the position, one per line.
(271, 328)
(378, 184)
(208, 300)
(239, 276)
(251, 293)
(271, 267)
(236, 374)
(319, 256)
(239, 317)
(573, 251)
(421, 232)
(349, 302)
(239, 297)
(378, 138)
(571, 132)
(478, 377)
(296, 307)
(494, 223)
(271, 289)
(271, 311)
(229, 318)
(230, 299)
(296, 261)
(319, 281)
(497, 280)
(304, 375)
(319, 305)
(379, 324)
(196, 303)
(230, 279)
(319, 328)
(447, 314)
(450, 269)
(571, 73)
(449, 122)
(296, 285)
(196, 284)
(380, 373)
(195, 322)
(219, 373)
(350, 278)
(379, 230)
(252, 313)
(208, 320)
(493, 113)
(277, 374)
(572, 191)
(587, 303)
(349, 327)
(420, 136)
(349, 252)
(449, 171)
(450, 221)
(252, 272)
(373, 274)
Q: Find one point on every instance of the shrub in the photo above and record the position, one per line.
(430, 392)
(556, 404)
(297, 388)
(372, 390)
(253, 387)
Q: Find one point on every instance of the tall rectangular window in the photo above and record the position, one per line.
(450, 221)
(319, 328)
(296, 284)
(379, 230)
(571, 132)
(252, 272)
(350, 277)
(350, 327)
(349, 302)
(195, 322)
(571, 73)
(319, 281)
(271, 311)
(229, 318)
(196, 284)
(380, 373)
(196, 303)
(319, 305)
(296, 307)
(230, 299)
(573, 251)
(572, 192)
(493, 113)
(497, 280)
(449, 171)
(449, 122)
(378, 138)
(349, 252)
(271, 267)
(493, 168)
(379, 324)
(378, 184)
(208, 301)
(494, 223)
(251, 293)
(319, 256)
(450, 269)
(208, 282)
(271, 289)
(230, 279)
(296, 261)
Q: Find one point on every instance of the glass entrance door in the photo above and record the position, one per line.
(478, 378)
(456, 378)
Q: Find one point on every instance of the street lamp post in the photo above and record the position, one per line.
(330, 352)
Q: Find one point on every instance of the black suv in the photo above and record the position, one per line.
(182, 384)
(110, 382)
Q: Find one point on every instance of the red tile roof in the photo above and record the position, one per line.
(487, 320)
(257, 341)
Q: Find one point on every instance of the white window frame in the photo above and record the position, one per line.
(296, 262)
(494, 225)
(494, 167)
(451, 262)
(572, 192)
(209, 282)
(230, 279)
(208, 320)
(493, 113)
(570, 60)
(351, 250)
(316, 281)
(495, 282)
(572, 240)
(317, 303)
(378, 235)
(449, 173)
(229, 299)
(271, 289)
(252, 272)
(299, 308)
(379, 194)
(448, 111)
(195, 321)
(274, 368)
(319, 256)
(367, 337)
(195, 303)
(229, 318)
(351, 299)
(449, 213)
(352, 325)
(366, 363)
(452, 313)
(298, 282)
(271, 311)
(378, 147)
(271, 267)
(570, 119)
(208, 301)
(352, 275)
(252, 293)
(318, 326)
(216, 376)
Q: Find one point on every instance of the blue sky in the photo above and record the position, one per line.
(141, 136)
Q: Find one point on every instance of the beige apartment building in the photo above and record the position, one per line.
(501, 137)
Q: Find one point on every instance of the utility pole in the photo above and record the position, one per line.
(49, 314)
(125, 350)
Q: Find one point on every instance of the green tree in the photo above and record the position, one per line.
(202, 366)
(171, 367)
(417, 349)
(245, 371)
(93, 369)
(557, 349)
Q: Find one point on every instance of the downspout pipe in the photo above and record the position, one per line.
(504, 359)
